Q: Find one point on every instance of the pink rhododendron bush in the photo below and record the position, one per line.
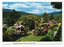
(17, 29)
(44, 28)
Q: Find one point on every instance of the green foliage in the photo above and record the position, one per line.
(31, 38)
(51, 17)
(10, 31)
(25, 19)
(49, 36)
(29, 21)
(45, 17)
(57, 5)
(59, 19)
(11, 18)
(34, 17)
(31, 24)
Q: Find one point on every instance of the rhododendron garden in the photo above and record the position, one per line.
(18, 26)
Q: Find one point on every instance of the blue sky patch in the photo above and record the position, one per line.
(31, 7)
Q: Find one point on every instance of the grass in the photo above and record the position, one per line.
(35, 38)
(30, 37)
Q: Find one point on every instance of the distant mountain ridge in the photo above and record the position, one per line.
(31, 13)
(7, 10)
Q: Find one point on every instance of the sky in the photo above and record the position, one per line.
(30, 7)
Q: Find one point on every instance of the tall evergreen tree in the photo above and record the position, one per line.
(45, 17)
(51, 17)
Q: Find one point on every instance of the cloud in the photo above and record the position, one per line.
(4, 5)
(18, 5)
(31, 7)
(35, 11)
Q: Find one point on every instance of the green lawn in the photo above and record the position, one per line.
(30, 37)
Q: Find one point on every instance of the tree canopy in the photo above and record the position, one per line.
(57, 5)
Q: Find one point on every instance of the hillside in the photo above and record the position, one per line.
(8, 11)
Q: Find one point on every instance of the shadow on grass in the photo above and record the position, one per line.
(46, 39)
(13, 38)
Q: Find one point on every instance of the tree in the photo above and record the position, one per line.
(25, 20)
(12, 18)
(45, 17)
(28, 22)
(31, 24)
(57, 5)
(34, 17)
(51, 17)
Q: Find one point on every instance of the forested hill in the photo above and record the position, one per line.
(7, 11)
(56, 13)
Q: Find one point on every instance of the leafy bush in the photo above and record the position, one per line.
(31, 24)
(28, 22)
(10, 31)
(34, 17)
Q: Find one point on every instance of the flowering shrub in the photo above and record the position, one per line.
(20, 29)
(42, 29)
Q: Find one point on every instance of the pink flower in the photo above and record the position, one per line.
(17, 27)
(42, 27)
(44, 23)
(48, 26)
(20, 26)
(38, 28)
(53, 20)
(44, 30)
(33, 30)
